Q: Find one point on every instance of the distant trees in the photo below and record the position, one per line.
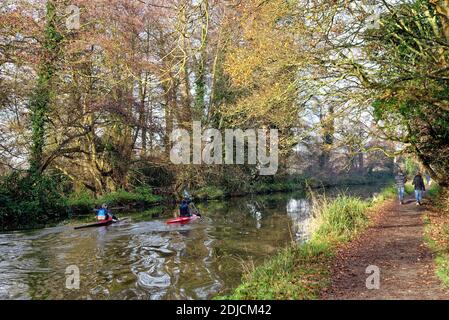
(107, 96)
(97, 103)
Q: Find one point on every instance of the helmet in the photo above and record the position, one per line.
(104, 206)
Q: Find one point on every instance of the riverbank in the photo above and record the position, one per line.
(288, 183)
(143, 197)
(158, 261)
(50, 205)
(437, 232)
(408, 243)
(303, 271)
(395, 248)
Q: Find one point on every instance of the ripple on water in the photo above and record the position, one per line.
(155, 285)
(150, 259)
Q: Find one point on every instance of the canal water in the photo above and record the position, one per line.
(144, 258)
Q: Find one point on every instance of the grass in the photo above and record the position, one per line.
(437, 231)
(210, 193)
(442, 264)
(295, 272)
(409, 188)
(84, 201)
(341, 219)
(302, 271)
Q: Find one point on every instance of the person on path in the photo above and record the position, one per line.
(420, 187)
(400, 179)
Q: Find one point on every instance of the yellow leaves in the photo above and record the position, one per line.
(271, 103)
(241, 66)
(265, 63)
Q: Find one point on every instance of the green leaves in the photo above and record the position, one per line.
(40, 100)
(30, 200)
(411, 100)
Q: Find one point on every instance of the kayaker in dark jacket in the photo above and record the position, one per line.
(420, 187)
(184, 209)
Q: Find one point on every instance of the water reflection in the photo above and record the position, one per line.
(152, 260)
(299, 212)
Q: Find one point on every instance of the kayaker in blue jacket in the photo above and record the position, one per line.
(104, 213)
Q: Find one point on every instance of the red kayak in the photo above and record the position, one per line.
(100, 223)
(182, 219)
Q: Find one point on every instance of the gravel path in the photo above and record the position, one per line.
(395, 244)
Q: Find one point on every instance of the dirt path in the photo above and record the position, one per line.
(394, 244)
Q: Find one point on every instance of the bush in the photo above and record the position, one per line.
(85, 201)
(81, 201)
(211, 193)
(30, 201)
(142, 195)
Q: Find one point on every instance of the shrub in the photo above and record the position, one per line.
(210, 193)
(81, 201)
(29, 201)
(121, 197)
(85, 201)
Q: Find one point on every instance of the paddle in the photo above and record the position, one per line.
(195, 209)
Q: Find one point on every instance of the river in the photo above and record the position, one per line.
(148, 259)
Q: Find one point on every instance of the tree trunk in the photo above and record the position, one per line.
(39, 104)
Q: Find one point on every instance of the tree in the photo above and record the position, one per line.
(41, 99)
(411, 81)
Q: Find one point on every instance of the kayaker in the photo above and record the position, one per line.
(184, 209)
(104, 213)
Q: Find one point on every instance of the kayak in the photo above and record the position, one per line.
(100, 223)
(183, 219)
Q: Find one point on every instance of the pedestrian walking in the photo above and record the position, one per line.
(420, 187)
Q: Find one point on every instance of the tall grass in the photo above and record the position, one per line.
(437, 230)
(339, 219)
(301, 271)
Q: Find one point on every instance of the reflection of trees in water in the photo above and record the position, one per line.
(256, 212)
(299, 212)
